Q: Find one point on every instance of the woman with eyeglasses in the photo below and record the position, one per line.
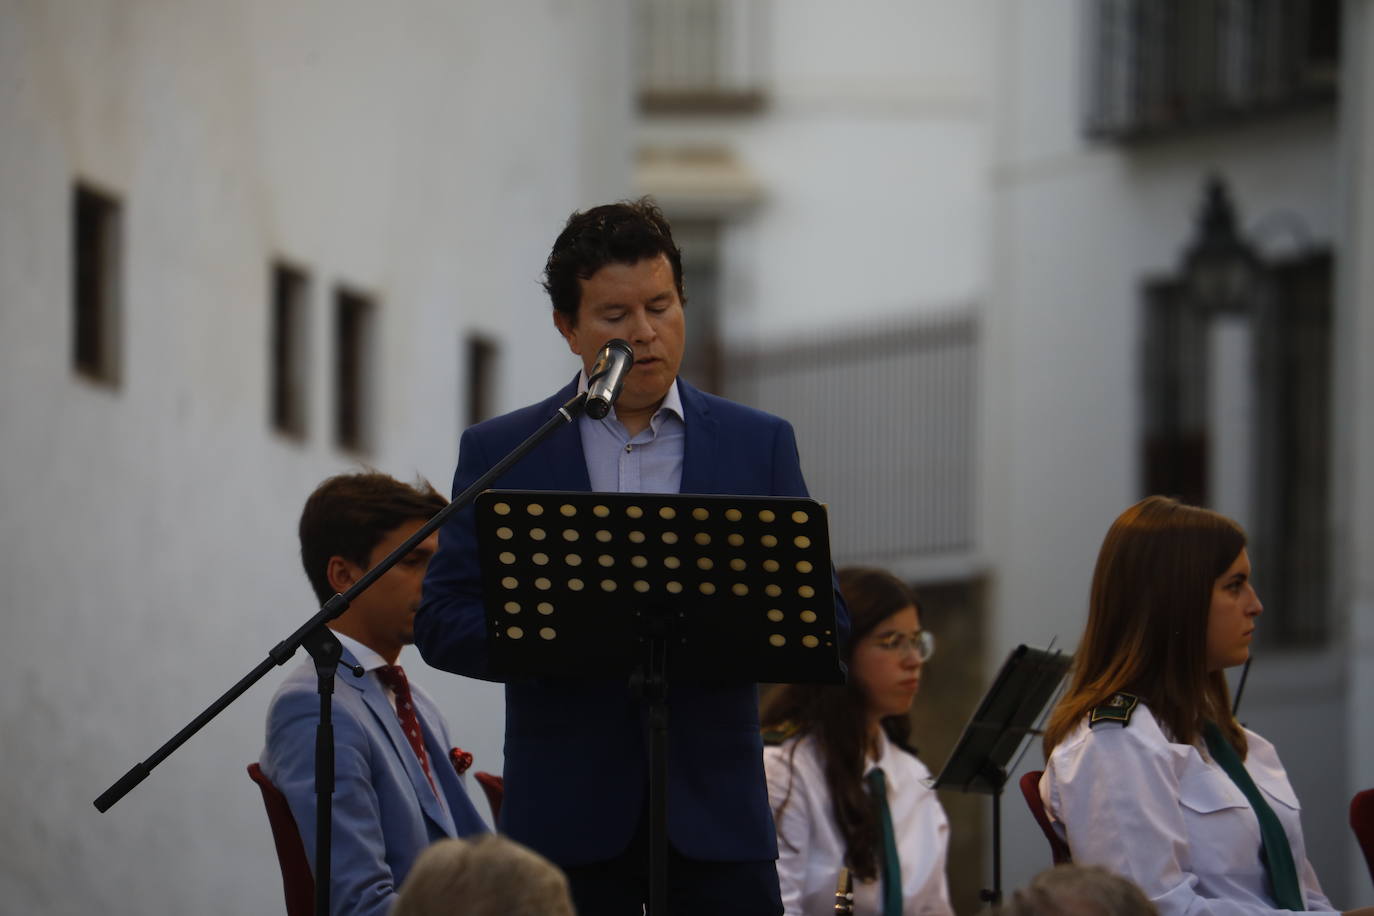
(846, 788)
(1149, 773)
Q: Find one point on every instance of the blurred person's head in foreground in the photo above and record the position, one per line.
(486, 876)
(1079, 890)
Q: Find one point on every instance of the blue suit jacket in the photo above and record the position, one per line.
(576, 752)
(385, 813)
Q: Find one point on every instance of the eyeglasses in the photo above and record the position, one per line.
(923, 644)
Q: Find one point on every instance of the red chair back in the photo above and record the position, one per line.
(298, 883)
(495, 787)
(1362, 822)
(1030, 788)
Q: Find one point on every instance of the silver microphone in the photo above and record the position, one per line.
(613, 363)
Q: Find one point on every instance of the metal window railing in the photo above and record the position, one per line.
(1159, 66)
(709, 55)
(886, 424)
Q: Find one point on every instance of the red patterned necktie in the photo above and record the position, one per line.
(394, 677)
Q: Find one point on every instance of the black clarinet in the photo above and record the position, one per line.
(844, 894)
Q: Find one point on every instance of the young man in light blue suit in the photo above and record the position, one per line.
(389, 802)
(576, 754)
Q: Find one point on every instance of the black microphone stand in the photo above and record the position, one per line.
(325, 648)
(1240, 689)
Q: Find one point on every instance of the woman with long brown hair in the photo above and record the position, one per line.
(845, 785)
(1148, 772)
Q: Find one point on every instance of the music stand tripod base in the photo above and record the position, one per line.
(1004, 718)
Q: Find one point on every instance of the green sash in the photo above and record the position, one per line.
(1276, 854)
(892, 866)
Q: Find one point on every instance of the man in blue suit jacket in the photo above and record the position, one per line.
(576, 753)
(389, 801)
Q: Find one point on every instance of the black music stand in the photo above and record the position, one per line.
(717, 588)
(1005, 717)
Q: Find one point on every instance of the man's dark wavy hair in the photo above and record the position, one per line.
(625, 232)
(349, 515)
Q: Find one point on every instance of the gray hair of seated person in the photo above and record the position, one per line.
(486, 876)
(1079, 890)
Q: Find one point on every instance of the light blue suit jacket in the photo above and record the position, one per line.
(385, 813)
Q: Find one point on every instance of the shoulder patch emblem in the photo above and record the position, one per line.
(1117, 709)
(780, 733)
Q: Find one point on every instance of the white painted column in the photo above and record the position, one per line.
(1353, 404)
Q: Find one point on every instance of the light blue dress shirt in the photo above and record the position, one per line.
(648, 462)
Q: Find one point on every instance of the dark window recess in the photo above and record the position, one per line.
(481, 362)
(1160, 66)
(1289, 542)
(700, 243)
(289, 349)
(1175, 403)
(352, 370)
(96, 281)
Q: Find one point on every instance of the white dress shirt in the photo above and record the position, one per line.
(368, 660)
(1170, 819)
(811, 849)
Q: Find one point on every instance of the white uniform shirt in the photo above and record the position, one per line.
(811, 849)
(1170, 819)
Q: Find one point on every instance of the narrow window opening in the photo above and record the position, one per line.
(290, 350)
(354, 319)
(96, 269)
(481, 362)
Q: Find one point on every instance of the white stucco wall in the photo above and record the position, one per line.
(425, 153)
(871, 155)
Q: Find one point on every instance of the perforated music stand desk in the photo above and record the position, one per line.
(743, 583)
(711, 588)
(1003, 720)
